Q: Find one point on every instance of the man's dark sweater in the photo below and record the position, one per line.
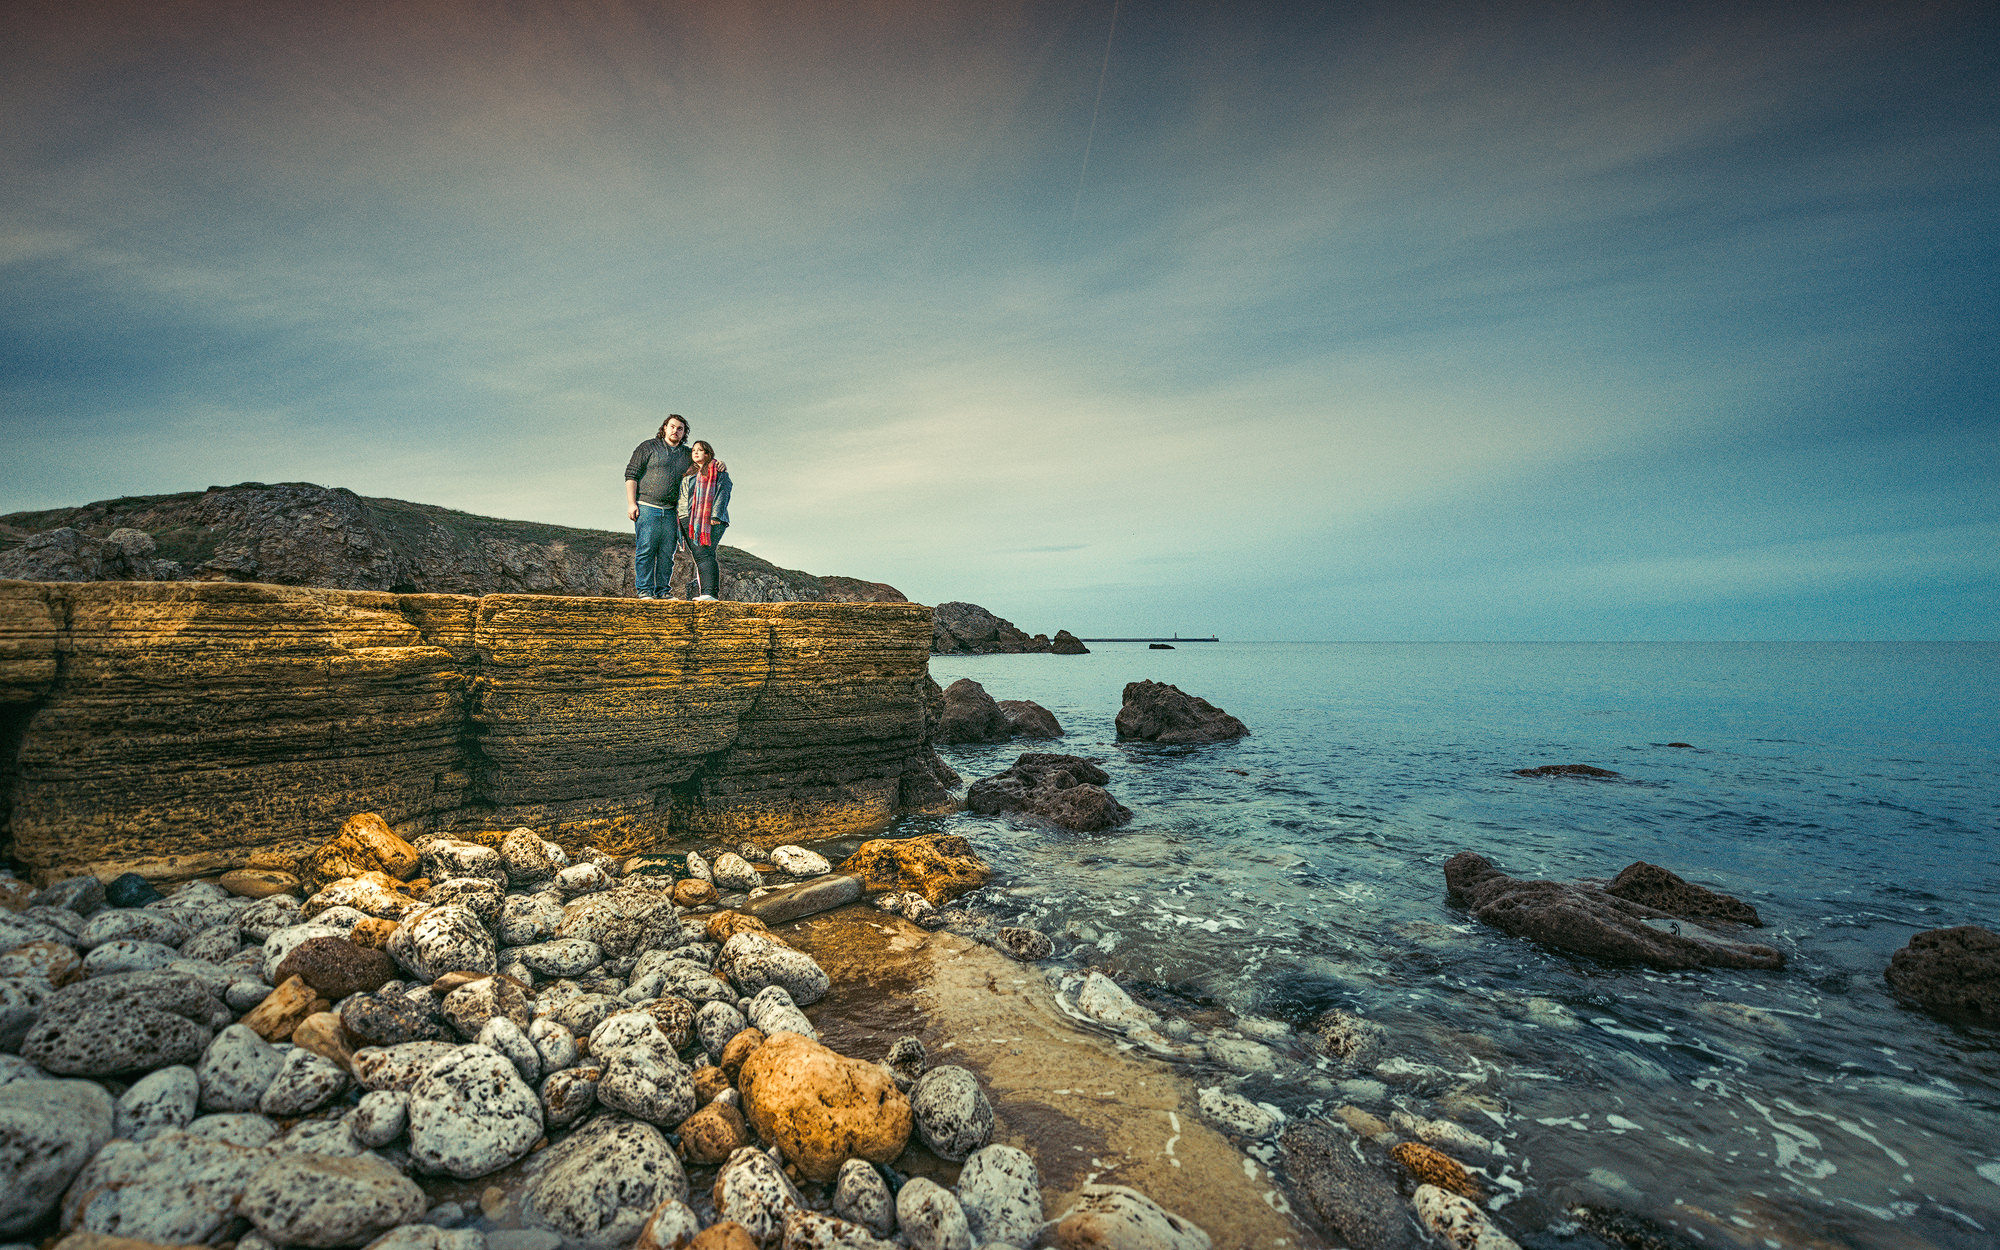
(658, 468)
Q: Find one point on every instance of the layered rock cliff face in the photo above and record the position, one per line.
(181, 728)
(299, 534)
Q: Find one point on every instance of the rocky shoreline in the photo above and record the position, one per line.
(481, 1045)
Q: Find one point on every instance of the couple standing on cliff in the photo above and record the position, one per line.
(676, 493)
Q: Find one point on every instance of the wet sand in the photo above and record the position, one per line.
(1086, 1109)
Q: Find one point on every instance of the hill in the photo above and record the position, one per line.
(302, 534)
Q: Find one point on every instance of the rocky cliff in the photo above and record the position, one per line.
(183, 727)
(299, 534)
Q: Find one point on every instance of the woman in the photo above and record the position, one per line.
(704, 513)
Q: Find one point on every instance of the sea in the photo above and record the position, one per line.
(1849, 791)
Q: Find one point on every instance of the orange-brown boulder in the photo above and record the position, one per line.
(1432, 1167)
(373, 933)
(714, 1133)
(322, 1034)
(939, 866)
(693, 892)
(364, 844)
(821, 1109)
(283, 1009)
(728, 1235)
(709, 1082)
(740, 1047)
(724, 925)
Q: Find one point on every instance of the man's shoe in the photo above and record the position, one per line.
(706, 599)
(645, 596)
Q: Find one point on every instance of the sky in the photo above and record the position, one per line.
(1330, 321)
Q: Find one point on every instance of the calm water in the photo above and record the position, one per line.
(1851, 792)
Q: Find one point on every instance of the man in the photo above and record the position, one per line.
(652, 491)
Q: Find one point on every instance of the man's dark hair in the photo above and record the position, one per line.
(686, 429)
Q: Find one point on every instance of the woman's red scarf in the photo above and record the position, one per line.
(701, 504)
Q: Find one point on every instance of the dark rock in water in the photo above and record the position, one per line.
(971, 715)
(1026, 945)
(1159, 646)
(1687, 745)
(1157, 712)
(1653, 886)
(1066, 790)
(337, 967)
(1633, 1232)
(130, 890)
(1951, 972)
(1584, 920)
(1357, 1200)
(1066, 643)
(1029, 719)
(1565, 770)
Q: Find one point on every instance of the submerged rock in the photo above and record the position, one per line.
(1156, 712)
(1950, 972)
(1355, 1199)
(1113, 1215)
(1458, 1221)
(1065, 790)
(1585, 920)
(1565, 770)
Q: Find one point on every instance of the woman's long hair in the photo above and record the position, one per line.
(692, 466)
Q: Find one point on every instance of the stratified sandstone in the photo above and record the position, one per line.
(177, 728)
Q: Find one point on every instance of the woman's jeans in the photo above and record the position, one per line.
(704, 557)
(653, 560)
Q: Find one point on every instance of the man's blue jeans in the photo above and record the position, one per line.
(653, 560)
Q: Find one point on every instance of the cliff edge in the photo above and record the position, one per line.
(182, 728)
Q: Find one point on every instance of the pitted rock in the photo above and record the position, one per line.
(598, 1186)
(321, 1202)
(471, 1114)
